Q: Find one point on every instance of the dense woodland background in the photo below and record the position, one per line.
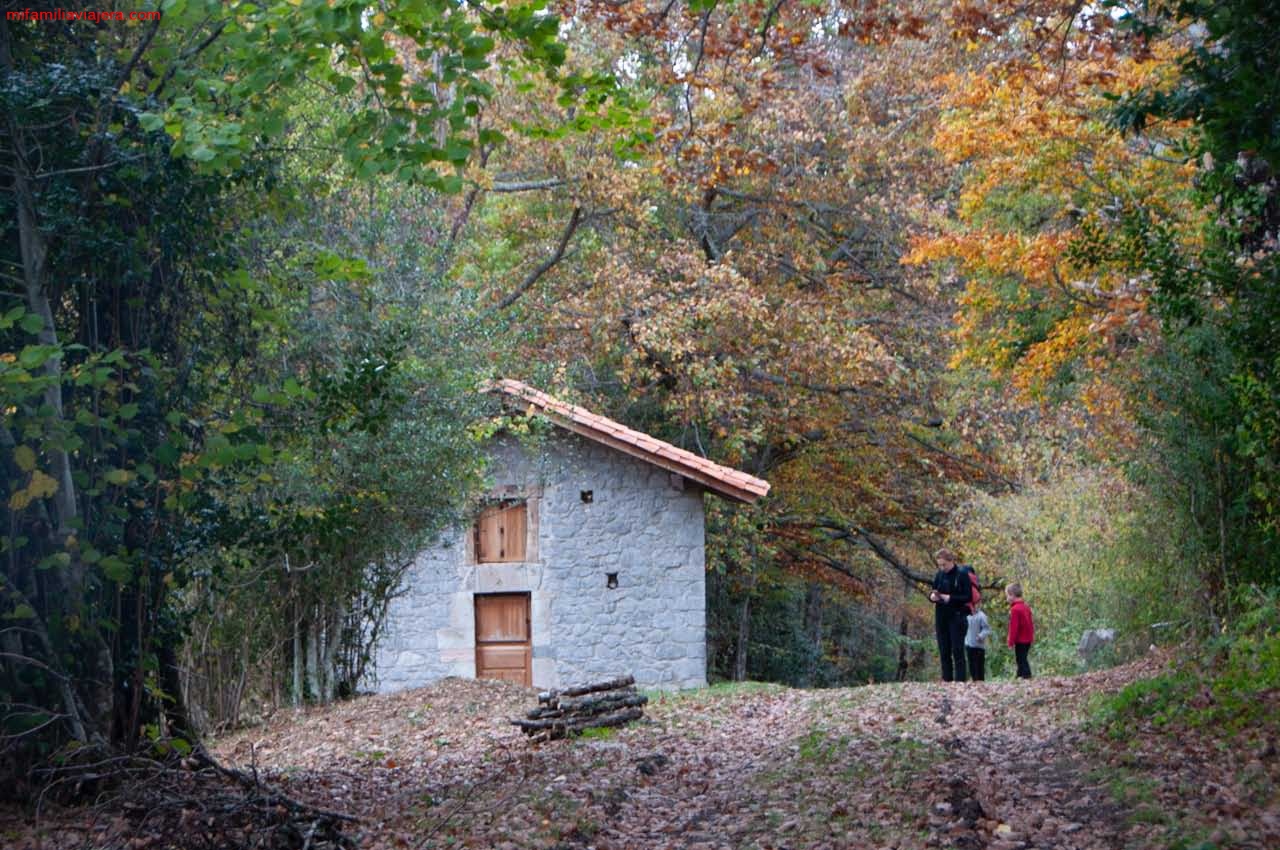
(995, 275)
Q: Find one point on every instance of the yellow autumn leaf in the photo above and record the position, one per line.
(42, 486)
(25, 458)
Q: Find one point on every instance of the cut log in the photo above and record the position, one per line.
(603, 702)
(614, 718)
(578, 690)
(561, 712)
(557, 727)
(543, 711)
(591, 704)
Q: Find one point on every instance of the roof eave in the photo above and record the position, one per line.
(718, 484)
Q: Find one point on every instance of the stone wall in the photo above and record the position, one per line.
(643, 523)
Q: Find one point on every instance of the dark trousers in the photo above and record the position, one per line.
(950, 633)
(1020, 651)
(977, 662)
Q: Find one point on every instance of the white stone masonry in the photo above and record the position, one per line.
(642, 523)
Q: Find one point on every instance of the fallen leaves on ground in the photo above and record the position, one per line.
(1003, 765)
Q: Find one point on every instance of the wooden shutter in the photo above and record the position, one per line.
(500, 533)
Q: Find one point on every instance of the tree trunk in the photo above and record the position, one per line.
(333, 644)
(744, 633)
(313, 657)
(904, 660)
(34, 251)
(297, 660)
(813, 606)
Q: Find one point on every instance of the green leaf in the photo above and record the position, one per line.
(117, 569)
(166, 453)
(31, 323)
(150, 121)
(35, 356)
(128, 411)
(118, 476)
(57, 559)
(22, 612)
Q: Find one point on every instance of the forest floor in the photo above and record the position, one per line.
(1000, 765)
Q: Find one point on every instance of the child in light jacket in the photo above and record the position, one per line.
(975, 643)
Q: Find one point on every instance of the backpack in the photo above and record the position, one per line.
(976, 594)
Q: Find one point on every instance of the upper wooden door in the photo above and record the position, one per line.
(504, 646)
(500, 533)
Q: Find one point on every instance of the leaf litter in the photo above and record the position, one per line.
(1004, 765)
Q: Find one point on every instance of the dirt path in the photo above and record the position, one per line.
(998, 765)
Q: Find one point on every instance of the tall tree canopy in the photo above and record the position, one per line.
(938, 270)
(169, 411)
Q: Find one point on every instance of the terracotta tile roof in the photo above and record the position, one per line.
(723, 480)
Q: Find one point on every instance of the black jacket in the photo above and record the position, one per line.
(955, 582)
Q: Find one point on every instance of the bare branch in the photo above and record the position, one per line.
(1012, 486)
(837, 530)
(546, 266)
(527, 185)
(44, 175)
(768, 22)
(832, 389)
(32, 662)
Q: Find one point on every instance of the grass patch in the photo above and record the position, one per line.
(720, 690)
(1219, 690)
(1223, 693)
(596, 733)
(1163, 826)
(817, 746)
(910, 758)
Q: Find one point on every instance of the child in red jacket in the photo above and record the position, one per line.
(1022, 632)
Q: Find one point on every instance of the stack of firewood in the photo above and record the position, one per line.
(611, 703)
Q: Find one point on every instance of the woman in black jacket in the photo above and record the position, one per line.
(950, 597)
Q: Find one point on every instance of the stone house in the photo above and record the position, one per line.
(586, 561)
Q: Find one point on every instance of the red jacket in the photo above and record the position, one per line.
(1020, 628)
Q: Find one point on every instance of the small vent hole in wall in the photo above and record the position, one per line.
(587, 496)
(611, 580)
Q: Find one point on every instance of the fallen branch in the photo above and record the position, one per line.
(192, 802)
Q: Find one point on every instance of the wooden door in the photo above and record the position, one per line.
(504, 649)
